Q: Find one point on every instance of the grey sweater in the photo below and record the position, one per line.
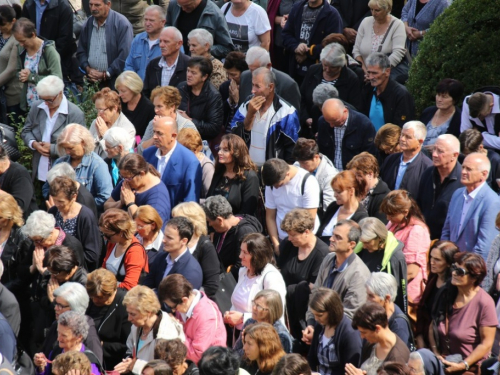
(8, 70)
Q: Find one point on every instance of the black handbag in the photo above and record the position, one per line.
(22, 364)
(79, 19)
(8, 141)
(227, 283)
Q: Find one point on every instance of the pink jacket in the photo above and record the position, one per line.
(205, 328)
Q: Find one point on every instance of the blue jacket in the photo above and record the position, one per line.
(140, 55)
(182, 176)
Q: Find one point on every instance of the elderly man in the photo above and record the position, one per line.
(286, 87)
(146, 45)
(267, 123)
(343, 133)
(188, 15)
(439, 182)
(104, 43)
(403, 170)
(179, 168)
(385, 100)
(470, 222)
(170, 68)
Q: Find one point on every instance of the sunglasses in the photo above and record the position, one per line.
(459, 271)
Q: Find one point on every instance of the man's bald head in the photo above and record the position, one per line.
(334, 112)
(164, 133)
(475, 170)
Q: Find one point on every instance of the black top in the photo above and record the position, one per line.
(372, 260)
(16, 181)
(333, 207)
(140, 117)
(86, 199)
(187, 22)
(206, 255)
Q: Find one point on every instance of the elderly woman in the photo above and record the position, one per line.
(467, 319)
(46, 120)
(109, 114)
(140, 185)
(424, 362)
(74, 219)
(381, 251)
(200, 43)
(117, 144)
(91, 171)
(135, 107)
(37, 58)
(382, 32)
(191, 139)
(366, 167)
(109, 315)
(149, 323)
(72, 330)
(149, 224)
(387, 141)
(125, 256)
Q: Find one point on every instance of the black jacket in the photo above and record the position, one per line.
(205, 109)
(378, 195)
(456, 120)
(360, 214)
(152, 77)
(397, 103)
(352, 12)
(17, 258)
(16, 181)
(206, 255)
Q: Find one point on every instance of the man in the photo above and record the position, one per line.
(145, 45)
(481, 110)
(9, 307)
(286, 87)
(403, 170)
(170, 68)
(179, 168)
(343, 134)
(342, 271)
(385, 100)
(439, 182)
(267, 123)
(287, 187)
(104, 43)
(352, 13)
(188, 15)
(470, 222)
(176, 257)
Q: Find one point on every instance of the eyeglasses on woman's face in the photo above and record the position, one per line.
(459, 271)
(258, 307)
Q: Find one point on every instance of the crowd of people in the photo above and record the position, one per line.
(255, 194)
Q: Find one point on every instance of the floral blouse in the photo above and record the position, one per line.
(31, 63)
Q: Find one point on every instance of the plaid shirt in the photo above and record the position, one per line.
(98, 58)
(326, 355)
(339, 136)
(166, 71)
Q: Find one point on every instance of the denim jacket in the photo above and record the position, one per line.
(140, 55)
(92, 173)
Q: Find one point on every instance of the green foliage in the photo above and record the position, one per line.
(84, 101)
(26, 153)
(464, 44)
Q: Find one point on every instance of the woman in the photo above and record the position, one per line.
(406, 222)
(109, 314)
(191, 139)
(149, 224)
(203, 326)
(72, 329)
(149, 324)
(299, 259)
(244, 14)
(234, 65)
(91, 171)
(201, 101)
(74, 219)
(174, 352)
(292, 364)
(53, 113)
(135, 107)
(267, 308)
(381, 345)
(36, 59)
(200, 43)
(333, 335)
(347, 190)
(441, 258)
(262, 347)
(71, 361)
(109, 114)
(125, 256)
(166, 101)
(467, 319)
(117, 144)
(366, 167)
(445, 116)
(141, 185)
(235, 176)
(383, 33)
(490, 282)
(387, 141)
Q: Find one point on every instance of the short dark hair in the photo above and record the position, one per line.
(470, 140)
(236, 59)
(25, 27)
(218, 360)
(159, 367)
(173, 352)
(369, 316)
(65, 185)
(60, 259)
(174, 287)
(202, 63)
(260, 249)
(183, 225)
(273, 171)
(354, 229)
(448, 250)
(325, 300)
(292, 364)
(474, 263)
(305, 149)
(452, 87)
(477, 103)
(8, 13)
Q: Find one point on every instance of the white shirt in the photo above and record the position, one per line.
(189, 313)
(156, 245)
(469, 198)
(170, 262)
(112, 263)
(491, 139)
(163, 159)
(328, 231)
(258, 135)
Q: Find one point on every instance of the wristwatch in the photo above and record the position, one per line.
(466, 365)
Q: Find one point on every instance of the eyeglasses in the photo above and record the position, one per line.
(129, 178)
(173, 308)
(259, 307)
(142, 226)
(54, 273)
(59, 306)
(108, 236)
(50, 101)
(459, 271)
(38, 241)
(99, 110)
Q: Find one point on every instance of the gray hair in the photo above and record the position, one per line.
(382, 284)
(334, 55)
(39, 224)
(451, 141)
(323, 92)
(202, 36)
(419, 129)
(269, 76)
(177, 33)
(259, 54)
(416, 356)
(117, 137)
(156, 8)
(76, 322)
(76, 296)
(217, 206)
(378, 59)
(62, 169)
(484, 163)
(354, 229)
(50, 86)
(372, 228)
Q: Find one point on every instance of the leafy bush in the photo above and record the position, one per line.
(464, 44)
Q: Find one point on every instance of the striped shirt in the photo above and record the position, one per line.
(167, 71)
(98, 59)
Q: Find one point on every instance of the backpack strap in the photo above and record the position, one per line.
(412, 338)
(304, 180)
(227, 9)
(93, 359)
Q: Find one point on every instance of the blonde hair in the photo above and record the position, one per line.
(383, 4)
(131, 81)
(149, 215)
(10, 210)
(75, 134)
(143, 299)
(72, 360)
(195, 213)
(101, 282)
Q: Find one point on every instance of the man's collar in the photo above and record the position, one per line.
(474, 192)
(409, 161)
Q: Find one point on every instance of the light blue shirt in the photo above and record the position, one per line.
(401, 171)
(140, 54)
(39, 13)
